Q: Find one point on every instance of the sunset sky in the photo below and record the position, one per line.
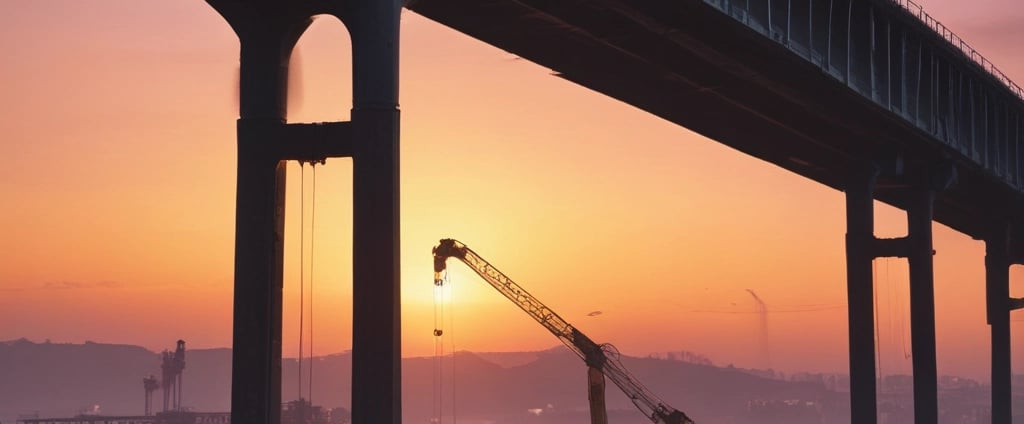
(118, 132)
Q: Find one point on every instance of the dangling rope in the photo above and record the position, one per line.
(438, 350)
(451, 336)
(442, 299)
(312, 257)
(302, 262)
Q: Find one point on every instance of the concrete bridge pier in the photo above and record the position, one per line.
(862, 247)
(928, 179)
(998, 305)
(376, 294)
(860, 252)
(268, 31)
(266, 42)
(922, 305)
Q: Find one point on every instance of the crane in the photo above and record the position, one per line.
(601, 359)
(172, 366)
(150, 384)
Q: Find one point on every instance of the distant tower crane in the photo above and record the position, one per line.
(172, 366)
(602, 360)
(150, 384)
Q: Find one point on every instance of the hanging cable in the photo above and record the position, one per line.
(451, 336)
(312, 257)
(302, 262)
(438, 350)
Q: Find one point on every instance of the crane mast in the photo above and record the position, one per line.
(600, 357)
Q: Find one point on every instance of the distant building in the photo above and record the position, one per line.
(170, 417)
(294, 412)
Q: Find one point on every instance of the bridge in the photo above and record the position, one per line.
(871, 97)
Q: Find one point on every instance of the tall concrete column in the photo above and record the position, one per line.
(860, 229)
(922, 305)
(268, 30)
(376, 296)
(997, 285)
(267, 33)
(259, 252)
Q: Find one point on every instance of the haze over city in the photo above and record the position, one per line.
(119, 193)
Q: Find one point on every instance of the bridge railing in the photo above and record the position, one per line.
(955, 95)
(917, 11)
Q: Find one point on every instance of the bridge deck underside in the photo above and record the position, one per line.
(699, 68)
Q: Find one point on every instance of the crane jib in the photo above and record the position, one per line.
(600, 357)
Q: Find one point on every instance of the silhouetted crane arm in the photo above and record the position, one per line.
(603, 357)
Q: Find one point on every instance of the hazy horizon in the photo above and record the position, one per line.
(61, 380)
(554, 347)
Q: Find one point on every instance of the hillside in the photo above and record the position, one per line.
(518, 387)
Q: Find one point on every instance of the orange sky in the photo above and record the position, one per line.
(118, 187)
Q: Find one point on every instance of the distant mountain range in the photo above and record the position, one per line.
(53, 379)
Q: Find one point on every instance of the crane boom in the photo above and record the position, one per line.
(602, 357)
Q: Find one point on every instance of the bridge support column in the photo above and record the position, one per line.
(267, 35)
(997, 288)
(268, 31)
(922, 305)
(860, 228)
(376, 295)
